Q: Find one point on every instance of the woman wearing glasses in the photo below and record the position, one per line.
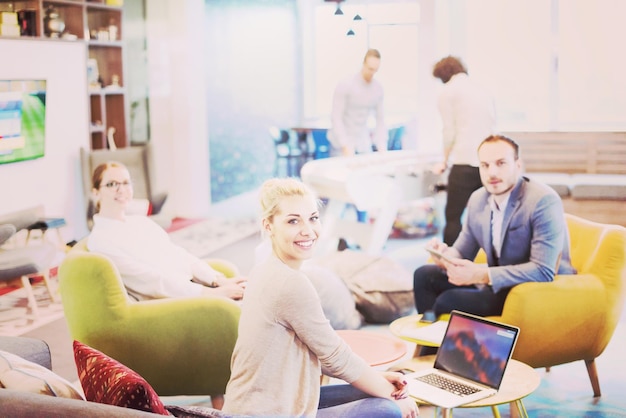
(151, 266)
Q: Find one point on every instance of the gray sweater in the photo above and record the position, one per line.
(284, 343)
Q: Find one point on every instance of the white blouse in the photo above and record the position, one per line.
(151, 266)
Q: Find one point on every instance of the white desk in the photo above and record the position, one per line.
(377, 183)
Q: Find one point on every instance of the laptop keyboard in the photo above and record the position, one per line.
(448, 384)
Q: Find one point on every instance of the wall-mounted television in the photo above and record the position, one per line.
(22, 120)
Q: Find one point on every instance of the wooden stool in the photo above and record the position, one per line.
(18, 265)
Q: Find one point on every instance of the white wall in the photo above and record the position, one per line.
(54, 180)
(178, 125)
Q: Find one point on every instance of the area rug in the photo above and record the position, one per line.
(209, 235)
(15, 315)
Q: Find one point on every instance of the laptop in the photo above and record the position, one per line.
(473, 356)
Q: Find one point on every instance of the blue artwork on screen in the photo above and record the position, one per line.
(22, 120)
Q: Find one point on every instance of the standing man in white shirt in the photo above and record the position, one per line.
(355, 98)
(468, 116)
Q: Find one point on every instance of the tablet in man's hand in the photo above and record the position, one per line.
(438, 254)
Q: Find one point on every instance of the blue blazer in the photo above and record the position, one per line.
(535, 241)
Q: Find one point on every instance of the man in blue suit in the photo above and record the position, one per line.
(520, 225)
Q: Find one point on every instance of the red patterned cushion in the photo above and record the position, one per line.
(108, 381)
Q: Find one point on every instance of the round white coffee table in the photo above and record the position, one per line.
(520, 380)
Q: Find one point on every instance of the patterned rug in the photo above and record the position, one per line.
(204, 237)
(15, 315)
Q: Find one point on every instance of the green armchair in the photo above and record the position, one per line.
(181, 346)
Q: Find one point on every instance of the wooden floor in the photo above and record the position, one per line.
(603, 211)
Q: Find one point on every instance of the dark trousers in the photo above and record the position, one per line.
(432, 290)
(462, 181)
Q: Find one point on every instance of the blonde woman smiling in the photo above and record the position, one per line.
(285, 342)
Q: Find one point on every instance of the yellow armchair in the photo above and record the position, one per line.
(181, 346)
(573, 317)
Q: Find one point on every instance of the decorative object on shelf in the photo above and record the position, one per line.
(9, 18)
(115, 83)
(113, 30)
(93, 74)
(9, 24)
(103, 34)
(110, 139)
(53, 23)
(27, 19)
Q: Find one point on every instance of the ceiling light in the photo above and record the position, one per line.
(338, 12)
(357, 17)
(350, 33)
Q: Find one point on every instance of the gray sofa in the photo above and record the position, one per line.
(580, 186)
(14, 403)
(23, 404)
(30, 349)
(585, 168)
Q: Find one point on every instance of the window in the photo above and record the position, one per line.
(551, 65)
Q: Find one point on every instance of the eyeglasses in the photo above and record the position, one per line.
(116, 184)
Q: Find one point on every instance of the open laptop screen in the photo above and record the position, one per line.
(476, 349)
